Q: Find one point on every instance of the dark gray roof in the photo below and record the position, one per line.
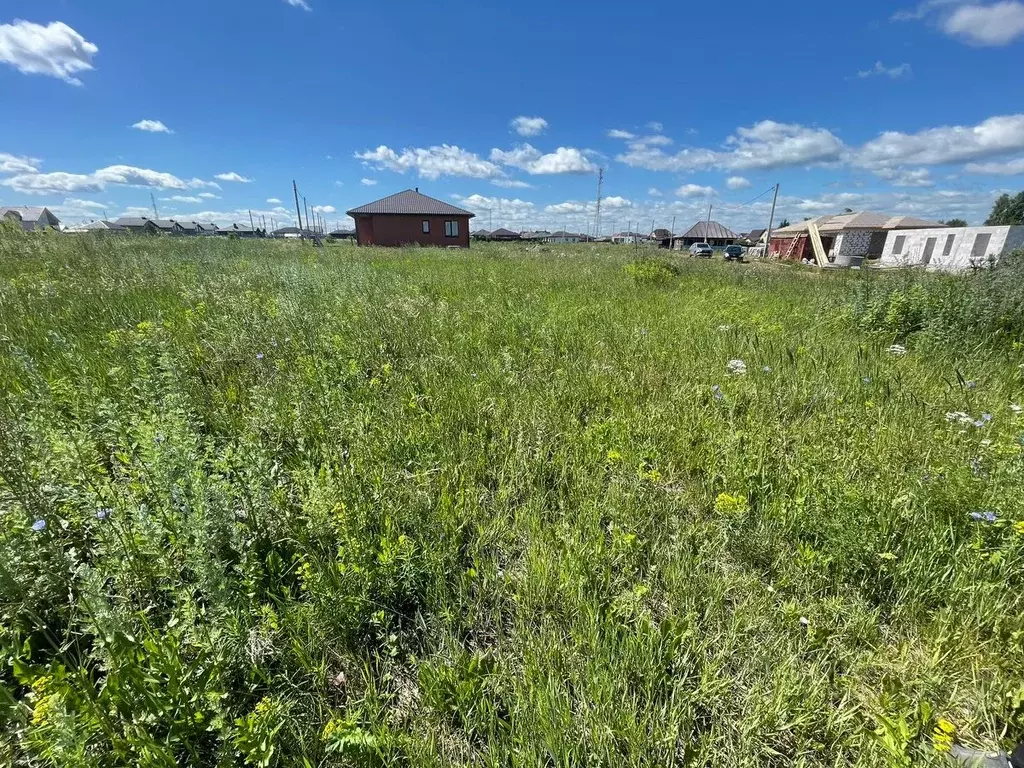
(164, 223)
(504, 233)
(191, 226)
(755, 234)
(132, 221)
(410, 203)
(25, 212)
(702, 230)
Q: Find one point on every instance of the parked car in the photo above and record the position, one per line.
(734, 252)
(701, 250)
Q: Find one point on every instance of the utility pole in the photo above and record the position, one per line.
(252, 226)
(306, 209)
(298, 211)
(600, 185)
(153, 201)
(771, 220)
(707, 227)
(672, 235)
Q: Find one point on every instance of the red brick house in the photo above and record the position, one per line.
(411, 218)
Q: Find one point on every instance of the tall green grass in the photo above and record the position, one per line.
(496, 508)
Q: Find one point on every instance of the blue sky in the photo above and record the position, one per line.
(510, 110)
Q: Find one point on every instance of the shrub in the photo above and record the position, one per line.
(652, 271)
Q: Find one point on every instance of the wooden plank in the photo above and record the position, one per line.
(819, 250)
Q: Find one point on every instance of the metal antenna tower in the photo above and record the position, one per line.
(153, 201)
(600, 186)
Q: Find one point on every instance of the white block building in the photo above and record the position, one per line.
(951, 249)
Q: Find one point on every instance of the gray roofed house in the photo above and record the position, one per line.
(189, 227)
(711, 233)
(754, 236)
(168, 226)
(503, 234)
(138, 225)
(31, 218)
(410, 202)
(97, 226)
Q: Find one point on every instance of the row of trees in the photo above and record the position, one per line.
(1007, 210)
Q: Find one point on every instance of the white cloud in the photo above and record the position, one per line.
(431, 162)
(654, 192)
(16, 164)
(182, 199)
(531, 160)
(208, 196)
(529, 126)
(232, 176)
(947, 144)
(1013, 167)
(765, 145)
(61, 182)
(273, 201)
(657, 140)
(997, 24)
(339, 183)
(77, 203)
(566, 208)
(694, 190)
(737, 182)
(324, 209)
(616, 133)
(55, 50)
(616, 203)
(903, 177)
(200, 184)
(368, 182)
(511, 184)
(894, 73)
(152, 126)
(299, 4)
(498, 211)
(53, 183)
(655, 126)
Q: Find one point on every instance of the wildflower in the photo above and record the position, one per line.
(473, 375)
(942, 735)
(805, 622)
(259, 355)
(1018, 528)
(101, 514)
(724, 328)
(273, 341)
(717, 391)
(986, 417)
(959, 416)
(731, 504)
(1016, 409)
(866, 379)
(986, 443)
(614, 457)
(897, 349)
(988, 517)
(38, 525)
(159, 438)
(972, 384)
(736, 367)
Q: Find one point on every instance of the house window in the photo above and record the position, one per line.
(980, 249)
(948, 247)
(426, 227)
(451, 229)
(897, 247)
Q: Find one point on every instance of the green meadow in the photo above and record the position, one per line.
(264, 504)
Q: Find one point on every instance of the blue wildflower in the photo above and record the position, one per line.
(866, 379)
(972, 384)
(717, 391)
(259, 355)
(38, 525)
(101, 514)
(988, 517)
(986, 417)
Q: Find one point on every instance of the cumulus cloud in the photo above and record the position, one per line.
(654, 192)
(947, 144)
(694, 190)
(657, 140)
(503, 212)
(655, 126)
(273, 201)
(903, 177)
(55, 50)
(200, 184)
(324, 209)
(615, 202)
(431, 162)
(987, 25)
(765, 145)
(151, 126)
(62, 182)
(1013, 167)
(616, 133)
(368, 182)
(737, 182)
(533, 161)
(232, 176)
(529, 126)
(299, 4)
(894, 73)
(511, 184)
(208, 196)
(566, 208)
(16, 164)
(78, 203)
(182, 199)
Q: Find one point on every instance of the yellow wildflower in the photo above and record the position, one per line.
(731, 504)
(1018, 527)
(943, 735)
(614, 457)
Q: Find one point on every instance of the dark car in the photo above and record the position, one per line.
(734, 252)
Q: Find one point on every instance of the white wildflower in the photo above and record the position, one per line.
(724, 328)
(959, 417)
(1016, 408)
(897, 349)
(736, 367)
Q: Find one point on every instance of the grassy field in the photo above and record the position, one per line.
(264, 504)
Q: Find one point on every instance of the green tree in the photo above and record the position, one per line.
(783, 223)
(955, 223)
(1007, 210)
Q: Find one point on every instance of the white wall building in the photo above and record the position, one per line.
(950, 249)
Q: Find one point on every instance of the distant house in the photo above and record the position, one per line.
(710, 232)
(847, 238)
(411, 218)
(239, 230)
(480, 234)
(950, 249)
(30, 218)
(504, 234)
(753, 237)
(620, 238)
(97, 226)
(291, 233)
(539, 234)
(168, 226)
(138, 225)
(343, 234)
(661, 234)
(188, 227)
(563, 237)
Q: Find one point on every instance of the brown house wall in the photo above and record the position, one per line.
(395, 230)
